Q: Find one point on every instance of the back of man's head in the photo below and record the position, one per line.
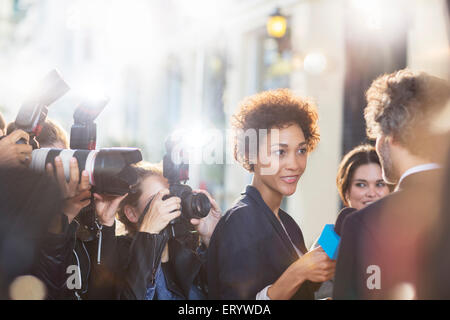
(402, 105)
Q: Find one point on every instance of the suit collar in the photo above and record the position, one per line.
(417, 178)
(419, 168)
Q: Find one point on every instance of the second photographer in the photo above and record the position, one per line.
(162, 267)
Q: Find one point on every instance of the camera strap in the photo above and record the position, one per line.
(99, 236)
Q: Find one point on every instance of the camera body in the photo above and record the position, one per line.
(83, 134)
(193, 205)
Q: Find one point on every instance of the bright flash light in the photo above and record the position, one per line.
(91, 91)
(371, 12)
(25, 81)
(195, 138)
(315, 63)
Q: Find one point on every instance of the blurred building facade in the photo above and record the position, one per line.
(177, 64)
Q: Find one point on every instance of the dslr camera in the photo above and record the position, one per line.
(193, 205)
(110, 169)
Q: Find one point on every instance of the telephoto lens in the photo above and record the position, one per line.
(109, 169)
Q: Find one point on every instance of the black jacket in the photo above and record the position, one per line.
(185, 267)
(389, 234)
(98, 280)
(250, 250)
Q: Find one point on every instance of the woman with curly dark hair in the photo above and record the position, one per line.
(257, 249)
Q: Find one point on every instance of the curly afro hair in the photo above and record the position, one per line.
(273, 109)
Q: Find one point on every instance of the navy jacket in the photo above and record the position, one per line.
(250, 250)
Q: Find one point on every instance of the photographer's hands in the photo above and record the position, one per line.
(160, 213)
(106, 207)
(76, 193)
(206, 226)
(13, 154)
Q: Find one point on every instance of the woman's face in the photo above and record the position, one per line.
(366, 186)
(150, 186)
(283, 162)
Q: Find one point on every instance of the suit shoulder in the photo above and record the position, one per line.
(372, 212)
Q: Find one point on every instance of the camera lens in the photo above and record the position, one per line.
(109, 170)
(197, 205)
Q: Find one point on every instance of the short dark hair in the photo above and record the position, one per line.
(358, 156)
(402, 104)
(274, 109)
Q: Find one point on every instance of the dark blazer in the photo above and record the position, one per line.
(390, 234)
(249, 250)
(340, 219)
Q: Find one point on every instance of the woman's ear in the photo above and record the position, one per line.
(131, 213)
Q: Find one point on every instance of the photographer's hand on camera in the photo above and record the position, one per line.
(76, 193)
(106, 207)
(206, 226)
(13, 154)
(160, 213)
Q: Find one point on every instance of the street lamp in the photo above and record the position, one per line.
(276, 25)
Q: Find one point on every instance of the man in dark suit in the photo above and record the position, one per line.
(383, 246)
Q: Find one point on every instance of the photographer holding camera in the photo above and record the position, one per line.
(162, 267)
(63, 246)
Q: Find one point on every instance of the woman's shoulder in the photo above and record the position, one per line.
(243, 210)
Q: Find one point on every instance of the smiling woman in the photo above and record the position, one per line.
(359, 179)
(257, 249)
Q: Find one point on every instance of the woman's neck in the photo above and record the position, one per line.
(271, 197)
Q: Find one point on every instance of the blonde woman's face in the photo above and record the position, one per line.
(367, 186)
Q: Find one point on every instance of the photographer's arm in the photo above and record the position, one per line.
(59, 242)
(148, 246)
(104, 252)
(55, 256)
(145, 256)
